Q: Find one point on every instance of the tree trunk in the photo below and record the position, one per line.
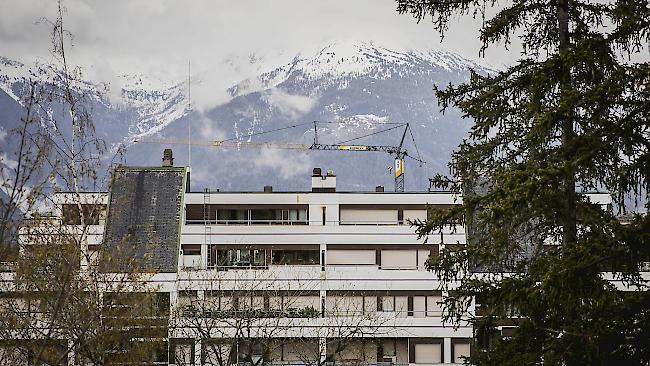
(569, 217)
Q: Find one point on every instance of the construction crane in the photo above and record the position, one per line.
(399, 152)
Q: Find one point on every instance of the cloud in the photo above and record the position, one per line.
(207, 130)
(285, 163)
(101, 71)
(3, 134)
(291, 105)
(160, 36)
(208, 91)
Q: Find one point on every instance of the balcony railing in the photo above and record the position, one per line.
(247, 222)
(190, 311)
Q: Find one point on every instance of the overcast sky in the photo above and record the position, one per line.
(159, 36)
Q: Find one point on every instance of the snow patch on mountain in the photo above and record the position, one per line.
(157, 104)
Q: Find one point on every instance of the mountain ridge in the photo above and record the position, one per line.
(357, 85)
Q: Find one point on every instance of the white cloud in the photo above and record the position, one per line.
(3, 134)
(207, 130)
(291, 105)
(159, 37)
(101, 71)
(285, 163)
(208, 91)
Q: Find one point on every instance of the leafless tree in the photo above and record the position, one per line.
(241, 315)
(263, 315)
(351, 332)
(54, 300)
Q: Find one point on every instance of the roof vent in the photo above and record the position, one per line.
(168, 158)
(268, 189)
(379, 189)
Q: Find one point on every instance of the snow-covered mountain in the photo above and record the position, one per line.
(360, 88)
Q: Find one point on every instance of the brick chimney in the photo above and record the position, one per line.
(168, 158)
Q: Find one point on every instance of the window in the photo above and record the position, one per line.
(389, 347)
(428, 353)
(92, 214)
(186, 298)
(460, 350)
(264, 216)
(419, 306)
(214, 214)
(182, 351)
(399, 259)
(401, 306)
(413, 215)
(433, 306)
(345, 305)
(388, 303)
(191, 249)
(369, 304)
(294, 257)
(200, 214)
(241, 257)
(232, 216)
(351, 257)
(366, 216)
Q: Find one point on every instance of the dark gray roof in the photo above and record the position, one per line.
(144, 214)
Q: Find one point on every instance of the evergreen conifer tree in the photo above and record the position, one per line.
(569, 117)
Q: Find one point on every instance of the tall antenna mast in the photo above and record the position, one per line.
(189, 111)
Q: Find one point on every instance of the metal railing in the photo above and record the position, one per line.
(361, 267)
(245, 222)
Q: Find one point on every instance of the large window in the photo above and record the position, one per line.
(460, 350)
(232, 216)
(229, 215)
(241, 257)
(93, 214)
(295, 257)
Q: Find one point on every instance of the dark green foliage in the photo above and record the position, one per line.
(571, 116)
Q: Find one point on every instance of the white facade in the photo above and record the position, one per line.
(341, 260)
(366, 253)
(319, 266)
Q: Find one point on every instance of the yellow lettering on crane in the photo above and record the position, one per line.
(399, 167)
(353, 147)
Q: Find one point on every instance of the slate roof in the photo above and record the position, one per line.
(144, 214)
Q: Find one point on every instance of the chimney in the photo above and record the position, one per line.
(168, 158)
(268, 189)
(379, 189)
(321, 183)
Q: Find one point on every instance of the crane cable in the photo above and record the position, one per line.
(370, 134)
(264, 132)
(416, 148)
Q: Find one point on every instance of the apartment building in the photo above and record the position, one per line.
(316, 277)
